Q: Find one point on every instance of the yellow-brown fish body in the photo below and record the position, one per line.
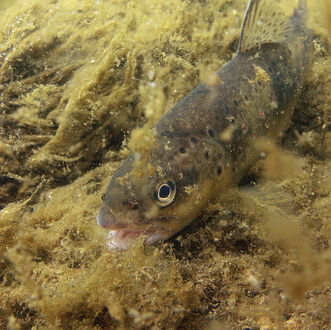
(207, 140)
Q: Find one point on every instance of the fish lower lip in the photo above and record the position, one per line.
(120, 238)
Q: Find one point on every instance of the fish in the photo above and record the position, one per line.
(206, 143)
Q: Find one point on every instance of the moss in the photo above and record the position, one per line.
(75, 80)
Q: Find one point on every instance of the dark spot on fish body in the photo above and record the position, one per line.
(219, 170)
(210, 132)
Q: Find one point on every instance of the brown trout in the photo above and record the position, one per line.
(207, 141)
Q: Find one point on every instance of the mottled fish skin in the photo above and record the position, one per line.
(207, 141)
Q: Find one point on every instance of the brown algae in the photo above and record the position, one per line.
(70, 94)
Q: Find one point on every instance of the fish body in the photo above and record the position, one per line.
(207, 141)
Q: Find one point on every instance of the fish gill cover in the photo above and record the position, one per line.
(81, 82)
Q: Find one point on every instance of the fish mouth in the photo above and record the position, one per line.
(120, 235)
(121, 238)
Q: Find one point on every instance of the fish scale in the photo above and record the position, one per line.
(207, 141)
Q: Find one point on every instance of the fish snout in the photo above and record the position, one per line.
(106, 219)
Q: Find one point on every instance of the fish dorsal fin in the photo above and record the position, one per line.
(264, 23)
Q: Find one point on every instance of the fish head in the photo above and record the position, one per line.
(158, 195)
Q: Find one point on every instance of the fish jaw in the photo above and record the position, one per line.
(121, 235)
(120, 239)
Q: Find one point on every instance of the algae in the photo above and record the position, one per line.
(75, 79)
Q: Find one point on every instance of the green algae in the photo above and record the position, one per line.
(75, 79)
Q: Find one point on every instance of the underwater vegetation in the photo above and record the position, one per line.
(81, 84)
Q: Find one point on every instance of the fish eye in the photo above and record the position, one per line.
(165, 193)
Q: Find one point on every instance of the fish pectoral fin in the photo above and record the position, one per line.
(264, 23)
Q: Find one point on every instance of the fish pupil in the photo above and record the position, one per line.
(164, 191)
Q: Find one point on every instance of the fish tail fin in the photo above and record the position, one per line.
(265, 22)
